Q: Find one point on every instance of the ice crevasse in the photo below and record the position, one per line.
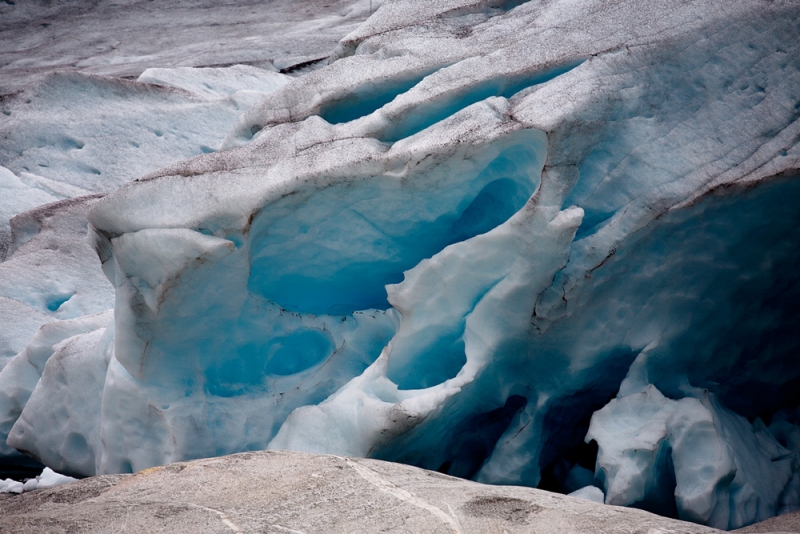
(551, 244)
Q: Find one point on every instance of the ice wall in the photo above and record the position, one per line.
(534, 243)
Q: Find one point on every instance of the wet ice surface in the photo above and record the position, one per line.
(522, 243)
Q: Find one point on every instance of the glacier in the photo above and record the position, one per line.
(548, 244)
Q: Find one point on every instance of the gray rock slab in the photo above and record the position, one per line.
(290, 492)
(775, 525)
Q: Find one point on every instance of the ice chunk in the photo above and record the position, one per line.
(724, 472)
(10, 486)
(47, 479)
(66, 434)
(19, 378)
(590, 493)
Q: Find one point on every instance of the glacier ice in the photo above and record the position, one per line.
(51, 274)
(56, 156)
(17, 197)
(124, 38)
(536, 243)
(169, 115)
(74, 371)
(720, 468)
(50, 270)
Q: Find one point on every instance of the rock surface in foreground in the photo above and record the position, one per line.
(281, 491)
